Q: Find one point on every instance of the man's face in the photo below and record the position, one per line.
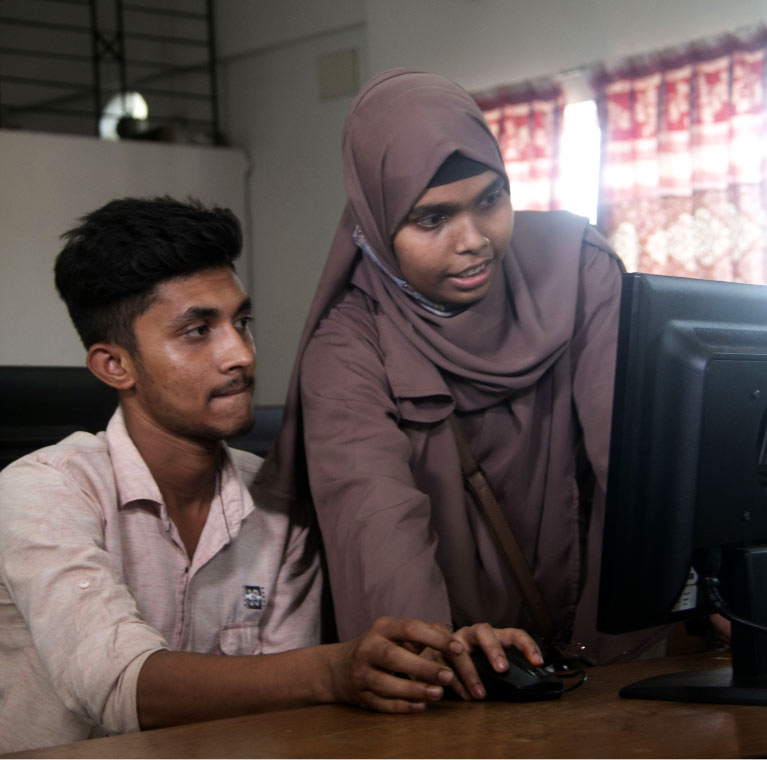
(195, 359)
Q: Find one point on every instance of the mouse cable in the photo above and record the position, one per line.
(563, 674)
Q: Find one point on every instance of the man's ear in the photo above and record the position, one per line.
(112, 365)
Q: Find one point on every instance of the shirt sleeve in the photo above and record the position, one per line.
(380, 546)
(594, 349)
(82, 619)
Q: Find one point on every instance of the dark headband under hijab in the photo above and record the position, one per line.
(457, 167)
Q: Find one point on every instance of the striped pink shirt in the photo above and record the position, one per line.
(94, 578)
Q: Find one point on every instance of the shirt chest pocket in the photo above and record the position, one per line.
(240, 638)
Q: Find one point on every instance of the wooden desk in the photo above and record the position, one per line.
(591, 721)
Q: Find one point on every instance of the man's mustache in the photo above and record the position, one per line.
(235, 385)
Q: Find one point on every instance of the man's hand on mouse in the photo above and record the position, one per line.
(492, 642)
(369, 669)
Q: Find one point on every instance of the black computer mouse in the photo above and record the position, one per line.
(522, 682)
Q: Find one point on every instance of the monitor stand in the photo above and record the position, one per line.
(713, 686)
(744, 587)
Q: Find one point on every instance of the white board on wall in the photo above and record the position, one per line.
(47, 182)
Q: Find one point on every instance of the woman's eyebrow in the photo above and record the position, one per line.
(446, 208)
(496, 184)
(431, 208)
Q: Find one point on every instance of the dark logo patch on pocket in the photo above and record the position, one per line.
(254, 598)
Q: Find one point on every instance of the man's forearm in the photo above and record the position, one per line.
(184, 687)
(181, 687)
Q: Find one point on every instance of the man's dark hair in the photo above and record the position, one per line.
(112, 262)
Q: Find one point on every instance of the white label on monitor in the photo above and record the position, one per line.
(688, 599)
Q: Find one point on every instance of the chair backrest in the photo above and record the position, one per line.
(41, 405)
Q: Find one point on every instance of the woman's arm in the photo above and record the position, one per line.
(375, 522)
(594, 348)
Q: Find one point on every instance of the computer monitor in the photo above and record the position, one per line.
(686, 506)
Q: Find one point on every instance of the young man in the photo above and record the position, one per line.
(131, 561)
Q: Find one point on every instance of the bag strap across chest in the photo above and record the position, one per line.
(500, 529)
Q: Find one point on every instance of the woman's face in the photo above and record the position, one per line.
(451, 244)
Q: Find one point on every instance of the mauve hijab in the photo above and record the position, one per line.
(402, 126)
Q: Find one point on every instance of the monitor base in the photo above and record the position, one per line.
(712, 686)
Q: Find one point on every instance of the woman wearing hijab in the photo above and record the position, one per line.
(437, 298)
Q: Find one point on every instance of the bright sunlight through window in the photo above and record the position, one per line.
(579, 159)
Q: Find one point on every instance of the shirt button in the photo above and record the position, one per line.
(84, 584)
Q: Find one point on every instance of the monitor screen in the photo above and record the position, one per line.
(686, 507)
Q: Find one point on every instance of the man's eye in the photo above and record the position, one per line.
(197, 332)
(243, 323)
(430, 221)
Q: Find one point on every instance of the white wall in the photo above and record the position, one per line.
(48, 181)
(244, 27)
(272, 109)
(482, 43)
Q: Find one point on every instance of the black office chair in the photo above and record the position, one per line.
(41, 405)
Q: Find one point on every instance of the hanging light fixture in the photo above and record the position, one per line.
(121, 114)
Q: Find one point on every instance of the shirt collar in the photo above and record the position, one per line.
(134, 481)
(132, 477)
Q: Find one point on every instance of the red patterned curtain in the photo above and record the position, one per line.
(527, 122)
(683, 187)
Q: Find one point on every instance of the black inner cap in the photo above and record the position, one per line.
(456, 167)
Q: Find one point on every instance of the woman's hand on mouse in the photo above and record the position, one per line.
(492, 642)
